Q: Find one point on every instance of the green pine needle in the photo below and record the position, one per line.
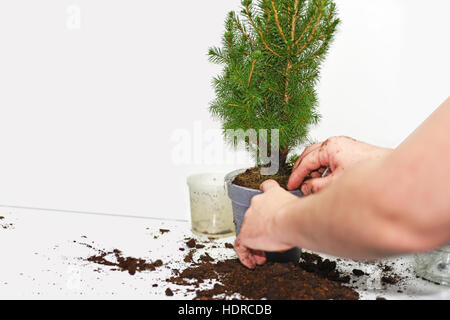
(272, 54)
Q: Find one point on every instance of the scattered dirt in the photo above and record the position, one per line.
(5, 225)
(324, 268)
(386, 268)
(358, 273)
(273, 281)
(130, 264)
(206, 258)
(189, 257)
(252, 179)
(191, 243)
(229, 246)
(388, 276)
(313, 278)
(169, 292)
(389, 280)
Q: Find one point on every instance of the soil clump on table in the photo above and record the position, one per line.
(312, 279)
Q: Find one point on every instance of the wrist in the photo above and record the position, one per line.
(383, 152)
(285, 226)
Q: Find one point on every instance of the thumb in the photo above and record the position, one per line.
(268, 185)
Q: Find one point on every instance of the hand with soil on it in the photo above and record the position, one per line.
(338, 154)
(259, 230)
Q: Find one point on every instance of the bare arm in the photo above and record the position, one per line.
(396, 204)
(387, 205)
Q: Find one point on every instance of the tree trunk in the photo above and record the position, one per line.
(283, 161)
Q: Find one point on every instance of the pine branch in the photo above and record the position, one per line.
(230, 47)
(300, 99)
(275, 91)
(235, 105)
(330, 16)
(267, 10)
(301, 120)
(294, 19)
(312, 33)
(309, 78)
(216, 56)
(277, 21)
(307, 27)
(251, 72)
(286, 95)
(259, 30)
(305, 95)
(241, 29)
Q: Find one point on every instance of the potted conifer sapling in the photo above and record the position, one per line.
(266, 95)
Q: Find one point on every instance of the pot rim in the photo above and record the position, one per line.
(230, 177)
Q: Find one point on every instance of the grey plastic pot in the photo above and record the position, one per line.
(241, 198)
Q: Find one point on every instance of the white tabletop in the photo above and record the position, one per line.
(42, 257)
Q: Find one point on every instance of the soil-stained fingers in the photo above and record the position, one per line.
(310, 163)
(248, 257)
(260, 257)
(316, 185)
(244, 254)
(319, 173)
(307, 151)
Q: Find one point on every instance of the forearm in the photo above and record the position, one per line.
(330, 221)
(394, 204)
(350, 218)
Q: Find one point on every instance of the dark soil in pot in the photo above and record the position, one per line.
(252, 178)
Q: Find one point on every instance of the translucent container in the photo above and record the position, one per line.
(211, 211)
(434, 266)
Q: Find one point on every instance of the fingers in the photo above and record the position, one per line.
(318, 174)
(268, 185)
(249, 258)
(260, 257)
(244, 254)
(307, 151)
(310, 162)
(315, 174)
(316, 185)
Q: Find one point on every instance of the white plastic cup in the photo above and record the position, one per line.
(211, 211)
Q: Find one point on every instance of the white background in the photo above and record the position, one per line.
(88, 116)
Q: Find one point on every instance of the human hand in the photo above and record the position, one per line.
(337, 154)
(258, 231)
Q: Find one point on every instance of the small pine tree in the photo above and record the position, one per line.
(271, 55)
